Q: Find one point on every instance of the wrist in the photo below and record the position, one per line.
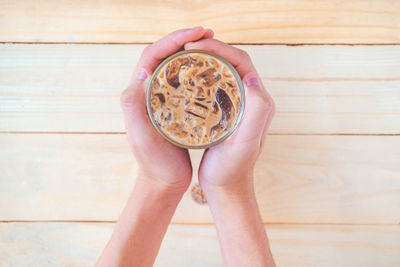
(239, 190)
(152, 188)
(162, 185)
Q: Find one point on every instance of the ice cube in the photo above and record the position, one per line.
(209, 76)
(172, 71)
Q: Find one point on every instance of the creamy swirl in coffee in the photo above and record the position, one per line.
(195, 99)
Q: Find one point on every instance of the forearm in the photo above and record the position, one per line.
(240, 229)
(141, 227)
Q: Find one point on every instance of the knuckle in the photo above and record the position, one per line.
(147, 49)
(273, 105)
(270, 106)
(269, 101)
(127, 97)
(244, 54)
(263, 103)
(259, 102)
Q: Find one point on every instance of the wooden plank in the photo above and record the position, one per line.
(299, 179)
(317, 89)
(253, 21)
(80, 244)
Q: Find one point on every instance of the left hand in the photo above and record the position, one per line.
(229, 165)
(160, 162)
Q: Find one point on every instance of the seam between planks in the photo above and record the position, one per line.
(191, 224)
(231, 43)
(123, 133)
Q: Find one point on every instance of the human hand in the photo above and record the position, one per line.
(159, 161)
(226, 170)
(229, 165)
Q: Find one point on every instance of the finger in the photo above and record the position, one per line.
(256, 84)
(133, 104)
(139, 75)
(208, 34)
(133, 100)
(156, 52)
(268, 123)
(257, 111)
(237, 57)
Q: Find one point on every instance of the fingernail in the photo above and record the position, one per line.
(211, 32)
(253, 80)
(142, 74)
(195, 28)
(188, 45)
(193, 46)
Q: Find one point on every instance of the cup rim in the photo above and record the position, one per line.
(235, 74)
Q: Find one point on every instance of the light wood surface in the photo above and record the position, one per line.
(80, 244)
(317, 89)
(328, 179)
(299, 179)
(268, 21)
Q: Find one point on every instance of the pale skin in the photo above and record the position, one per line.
(159, 187)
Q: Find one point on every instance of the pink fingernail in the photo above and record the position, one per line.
(188, 45)
(253, 80)
(195, 28)
(142, 74)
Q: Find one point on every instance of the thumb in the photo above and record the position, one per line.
(257, 109)
(133, 103)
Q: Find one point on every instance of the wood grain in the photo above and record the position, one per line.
(317, 89)
(80, 244)
(299, 179)
(235, 21)
(316, 178)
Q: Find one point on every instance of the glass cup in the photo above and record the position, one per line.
(195, 99)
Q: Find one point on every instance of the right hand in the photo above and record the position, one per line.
(160, 163)
(229, 165)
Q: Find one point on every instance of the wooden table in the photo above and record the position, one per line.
(328, 181)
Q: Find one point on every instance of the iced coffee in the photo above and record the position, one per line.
(195, 99)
